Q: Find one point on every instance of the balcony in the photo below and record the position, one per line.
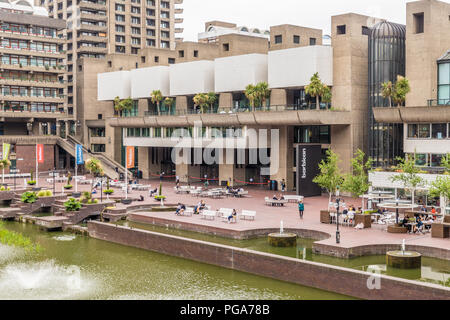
(28, 98)
(45, 68)
(430, 114)
(88, 49)
(93, 39)
(93, 17)
(8, 112)
(92, 27)
(32, 36)
(274, 115)
(34, 53)
(25, 82)
(90, 5)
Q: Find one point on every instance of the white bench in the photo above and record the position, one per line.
(248, 214)
(188, 212)
(294, 198)
(208, 214)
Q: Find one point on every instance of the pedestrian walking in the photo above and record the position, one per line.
(301, 208)
(283, 186)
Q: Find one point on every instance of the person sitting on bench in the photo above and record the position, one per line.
(180, 209)
(232, 216)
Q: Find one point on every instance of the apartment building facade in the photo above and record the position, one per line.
(32, 91)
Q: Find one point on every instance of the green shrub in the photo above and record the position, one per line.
(29, 197)
(2, 188)
(72, 205)
(108, 191)
(45, 193)
(92, 201)
(86, 197)
(159, 198)
(48, 193)
(32, 182)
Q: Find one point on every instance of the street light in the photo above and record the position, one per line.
(338, 233)
(54, 193)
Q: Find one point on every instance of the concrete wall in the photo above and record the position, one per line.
(235, 73)
(146, 80)
(295, 67)
(321, 276)
(191, 78)
(114, 84)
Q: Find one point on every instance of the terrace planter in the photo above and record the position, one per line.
(397, 229)
(325, 217)
(126, 201)
(447, 219)
(76, 195)
(365, 219)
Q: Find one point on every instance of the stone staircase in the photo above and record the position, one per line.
(86, 211)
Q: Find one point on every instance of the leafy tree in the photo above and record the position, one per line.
(95, 168)
(211, 100)
(156, 97)
(387, 90)
(330, 177)
(252, 95)
(201, 100)
(446, 162)
(357, 182)
(317, 89)
(5, 164)
(441, 188)
(402, 88)
(168, 102)
(327, 95)
(262, 92)
(123, 105)
(408, 175)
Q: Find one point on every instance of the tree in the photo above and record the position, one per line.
(445, 163)
(94, 167)
(262, 92)
(357, 182)
(408, 175)
(156, 97)
(5, 164)
(316, 89)
(386, 91)
(252, 95)
(402, 88)
(327, 95)
(168, 102)
(123, 105)
(201, 100)
(211, 100)
(441, 188)
(330, 177)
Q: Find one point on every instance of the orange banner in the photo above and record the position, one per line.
(130, 157)
(40, 153)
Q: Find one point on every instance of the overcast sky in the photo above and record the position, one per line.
(265, 13)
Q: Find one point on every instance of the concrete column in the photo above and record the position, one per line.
(58, 128)
(229, 172)
(226, 100)
(341, 143)
(41, 132)
(181, 103)
(278, 97)
(144, 161)
(286, 158)
(142, 107)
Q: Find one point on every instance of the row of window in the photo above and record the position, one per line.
(38, 31)
(27, 45)
(429, 131)
(296, 40)
(29, 92)
(428, 159)
(186, 132)
(30, 107)
(26, 76)
(28, 61)
(149, 43)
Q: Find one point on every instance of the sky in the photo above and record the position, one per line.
(265, 13)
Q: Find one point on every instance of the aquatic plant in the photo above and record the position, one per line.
(11, 238)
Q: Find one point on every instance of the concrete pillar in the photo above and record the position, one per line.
(341, 143)
(58, 129)
(142, 107)
(181, 103)
(284, 168)
(229, 171)
(144, 161)
(41, 132)
(278, 97)
(226, 100)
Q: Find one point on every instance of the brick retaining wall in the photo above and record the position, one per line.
(330, 278)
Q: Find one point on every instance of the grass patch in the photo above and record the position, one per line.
(16, 239)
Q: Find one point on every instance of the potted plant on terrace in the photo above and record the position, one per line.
(160, 197)
(72, 205)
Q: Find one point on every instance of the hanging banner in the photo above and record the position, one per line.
(6, 150)
(79, 154)
(130, 157)
(40, 153)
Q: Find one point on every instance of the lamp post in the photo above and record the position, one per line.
(54, 185)
(338, 233)
(101, 189)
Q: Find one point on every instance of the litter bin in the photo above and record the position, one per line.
(121, 176)
(140, 174)
(274, 185)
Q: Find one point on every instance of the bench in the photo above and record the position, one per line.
(208, 214)
(188, 212)
(248, 214)
(294, 198)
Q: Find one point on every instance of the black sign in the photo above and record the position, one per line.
(308, 159)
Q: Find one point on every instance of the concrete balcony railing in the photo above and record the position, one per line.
(32, 36)
(93, 17)
(34, 53)
(275, 116)
(32, 83)
(18, 67)
(93, 39)
(92, 49)
(437, 114)
(27, 113)
(95, 6)
(25, 98)
(90, 27)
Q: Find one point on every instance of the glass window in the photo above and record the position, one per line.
(421, 160)
(436, 160)
(424, 131)
(157, 132)
(444, 83)
(413, 131)
(439, 130)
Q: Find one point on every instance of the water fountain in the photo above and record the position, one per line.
(282, 239)
(404, 259)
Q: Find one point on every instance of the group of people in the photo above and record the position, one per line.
(235, 192)
(418, 223)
